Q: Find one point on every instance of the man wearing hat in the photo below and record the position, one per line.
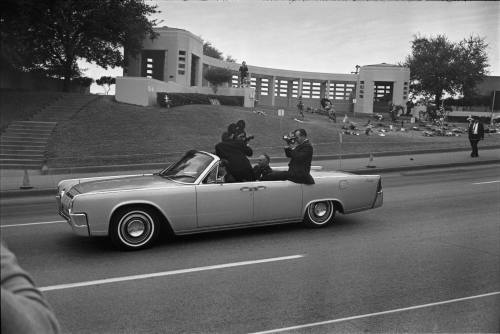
(476, 133)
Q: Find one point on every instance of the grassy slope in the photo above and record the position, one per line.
(107, 132)
(21, 106)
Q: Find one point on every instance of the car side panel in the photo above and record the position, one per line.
(354, 192)
(177, 204)
(325, 187)
(359, 192)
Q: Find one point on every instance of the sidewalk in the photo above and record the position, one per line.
(12, 180)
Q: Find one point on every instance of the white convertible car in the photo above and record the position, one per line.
(191, 196)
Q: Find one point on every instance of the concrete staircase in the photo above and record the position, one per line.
(24, 143)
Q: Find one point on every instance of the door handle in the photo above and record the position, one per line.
(246, 189)
(260, 187)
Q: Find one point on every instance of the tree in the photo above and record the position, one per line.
(473, 61)
(217, 76)
(51, 35)
(438, 66)
(106, 82)
(230, 59)
(211, 51)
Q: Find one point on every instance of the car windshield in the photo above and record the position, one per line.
(189, 168)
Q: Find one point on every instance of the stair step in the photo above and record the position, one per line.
(6, 139)
(21, 161)
(24, 143)
(35, 123)
(24, 133)
(20, 166)
(22, 156)
(25, 136)
(21, 151)
(32, 127)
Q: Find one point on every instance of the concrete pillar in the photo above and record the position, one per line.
(322, 90)
(272, 89)
(327, 91)
(289, 92)
(300, 87)
(258, 88)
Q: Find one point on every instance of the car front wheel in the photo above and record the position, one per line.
(135, 228)
(319, 214)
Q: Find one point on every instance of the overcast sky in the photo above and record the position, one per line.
(326, 36)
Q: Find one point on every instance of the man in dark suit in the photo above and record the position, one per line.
(234, 148)
(300, 152)
(476, 133)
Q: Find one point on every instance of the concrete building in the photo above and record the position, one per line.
(174, 62)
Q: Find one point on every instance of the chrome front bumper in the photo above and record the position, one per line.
(77, 221)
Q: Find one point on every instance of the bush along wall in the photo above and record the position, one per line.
(168, 100)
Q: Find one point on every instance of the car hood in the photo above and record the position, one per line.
(124, 183)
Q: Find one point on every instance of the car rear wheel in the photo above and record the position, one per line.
(134, 228)
(319, 214)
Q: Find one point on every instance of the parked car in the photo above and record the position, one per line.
(191, 196)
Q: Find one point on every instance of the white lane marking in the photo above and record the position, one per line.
(29, 224)
(167, 273)
(375, 314)
(486, 182)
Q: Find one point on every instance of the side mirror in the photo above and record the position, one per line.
(220, 180)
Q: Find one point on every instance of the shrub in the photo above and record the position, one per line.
(180, 99)
(217, 76)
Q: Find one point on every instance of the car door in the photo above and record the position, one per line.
(219, 203)
(277, 200)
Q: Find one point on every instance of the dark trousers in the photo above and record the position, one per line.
(473, 144)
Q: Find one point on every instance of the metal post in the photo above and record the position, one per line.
(493, 106)
(340, 150)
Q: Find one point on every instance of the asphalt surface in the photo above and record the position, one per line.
(427, 261)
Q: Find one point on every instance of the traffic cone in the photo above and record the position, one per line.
(26, 181)
(370, 162)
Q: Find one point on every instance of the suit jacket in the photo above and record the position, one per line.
(236, 152)
(259, 172)
(480, 131)
(24, 308)
(299, 167)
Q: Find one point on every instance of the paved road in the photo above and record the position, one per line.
(427, 261)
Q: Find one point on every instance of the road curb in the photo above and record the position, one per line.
(52, 191)
(161, 165)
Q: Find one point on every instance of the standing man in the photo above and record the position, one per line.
(300, 108)
(243, 73)
(234, 148)
(476, 133)
(300, 151)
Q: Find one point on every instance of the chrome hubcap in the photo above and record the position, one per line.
(136, 228)
(320, 209)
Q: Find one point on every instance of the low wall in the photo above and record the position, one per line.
(142, 91)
